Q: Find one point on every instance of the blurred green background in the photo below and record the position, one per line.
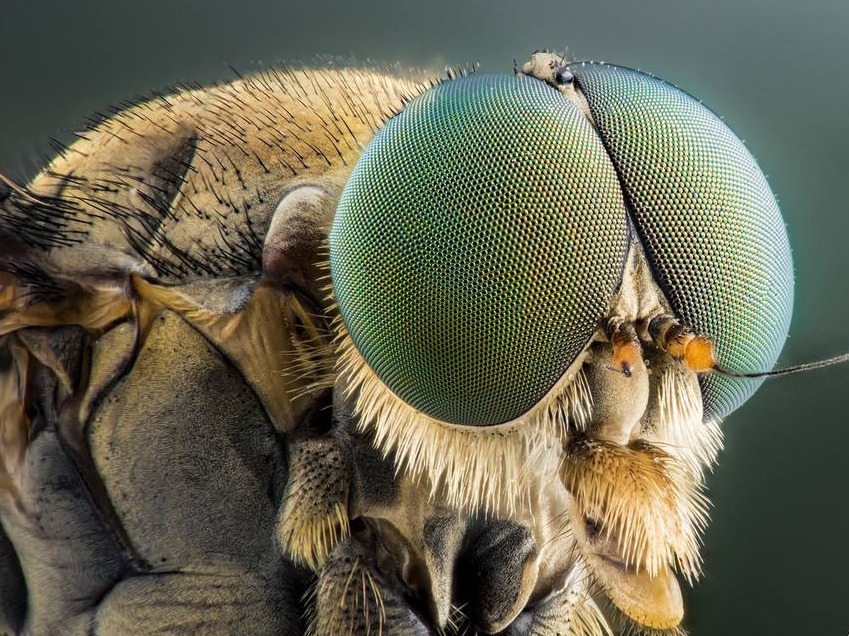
(777, 551)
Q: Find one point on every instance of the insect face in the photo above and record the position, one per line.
(536, 277)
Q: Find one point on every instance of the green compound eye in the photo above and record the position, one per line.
(707, 219)
(481, 236)
(477, 245)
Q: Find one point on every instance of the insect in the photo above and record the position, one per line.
(346, 352)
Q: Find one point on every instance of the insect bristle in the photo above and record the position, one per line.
(476, 469)
(643, 498)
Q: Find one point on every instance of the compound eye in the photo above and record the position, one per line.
(476, 247)
(709, 224)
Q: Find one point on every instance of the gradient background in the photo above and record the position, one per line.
(777, 551)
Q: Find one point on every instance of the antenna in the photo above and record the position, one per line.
(798, 368)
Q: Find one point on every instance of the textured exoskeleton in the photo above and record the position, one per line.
(201, 430)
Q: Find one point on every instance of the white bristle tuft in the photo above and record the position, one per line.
(476, 469)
